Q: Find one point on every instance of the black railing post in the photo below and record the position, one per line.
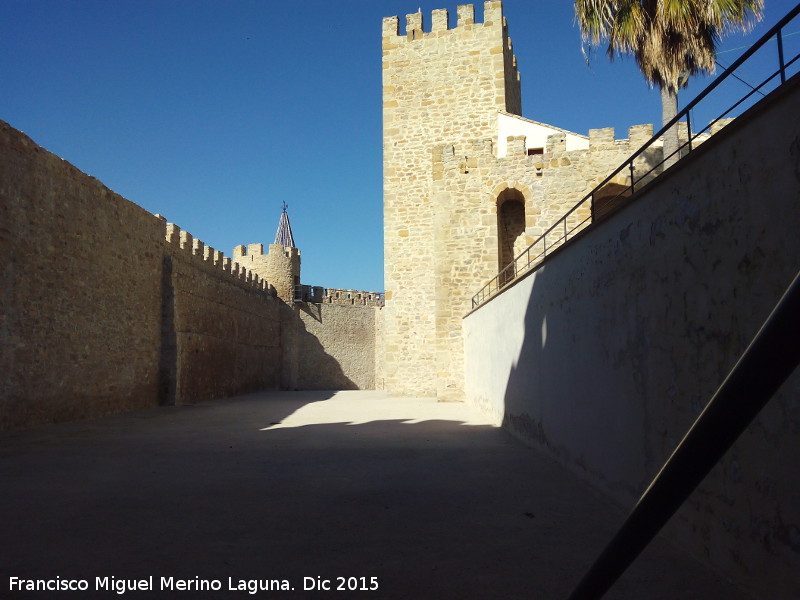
(780, 56)
(689, 129)
(633, 180)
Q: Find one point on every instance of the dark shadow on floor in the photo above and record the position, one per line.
(434, 509)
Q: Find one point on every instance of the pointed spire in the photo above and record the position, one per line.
(283, 236)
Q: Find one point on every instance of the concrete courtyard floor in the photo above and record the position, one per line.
(429, 499)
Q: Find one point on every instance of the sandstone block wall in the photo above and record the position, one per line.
(328, 334)
(80, 291)
(380, 346)
(607, 353)
(222, 329)
(445, 93)
(345, 297)
(442, 85)
(469, 183)
(221, 324)
(107, 308)
(337, 346)
(280, 266)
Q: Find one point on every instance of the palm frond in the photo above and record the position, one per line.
(667, 38)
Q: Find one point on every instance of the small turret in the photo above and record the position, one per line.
(281, 265)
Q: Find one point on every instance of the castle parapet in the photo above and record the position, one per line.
(440, 21)
(287, 251)
(598, 138)
(516, 145)
(197, 248)
(639, 134)
(186, 242)
(280, 265)
(343, 297)
(211, 256)
(466, 14)
(414, 26)
(352, 297)
(182, 243)
(557, 142)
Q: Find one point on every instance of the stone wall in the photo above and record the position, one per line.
(469, 183)
(345, 297)
(605, 355)
(445, 85)
(380, 348)
(337, 346)
(80, 291)
(445, 94)
(280, 266)
(222, 326)
(107, 308)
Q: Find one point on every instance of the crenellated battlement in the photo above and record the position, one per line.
(442, 81)
(254, 251)
(355, 297)
(182, 243)
(344, 297)
(604, 139)
(478, 154)
(280, 265)
(415, 25)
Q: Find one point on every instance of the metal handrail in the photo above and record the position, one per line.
(530, 257)
(768, 361)
(524, 263)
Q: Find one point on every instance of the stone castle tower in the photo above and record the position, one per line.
(444, 86)
(469, 184)
(280, 266)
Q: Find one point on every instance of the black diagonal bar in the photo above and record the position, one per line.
(767, 362)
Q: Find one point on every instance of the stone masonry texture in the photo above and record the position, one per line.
(334, 341)
(444, 188)
(442, 86)
(108, 308)
(105, 307)
(80, 291)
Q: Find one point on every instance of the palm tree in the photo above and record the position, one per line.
(670, 40)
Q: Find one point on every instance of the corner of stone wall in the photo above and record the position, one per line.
(380, 365)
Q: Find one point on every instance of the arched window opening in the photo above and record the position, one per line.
(510, 229)
(608, 196)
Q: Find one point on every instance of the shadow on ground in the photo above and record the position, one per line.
(285, 486)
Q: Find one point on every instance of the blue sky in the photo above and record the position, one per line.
(213, 113)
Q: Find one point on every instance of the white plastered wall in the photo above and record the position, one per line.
(535, 133)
